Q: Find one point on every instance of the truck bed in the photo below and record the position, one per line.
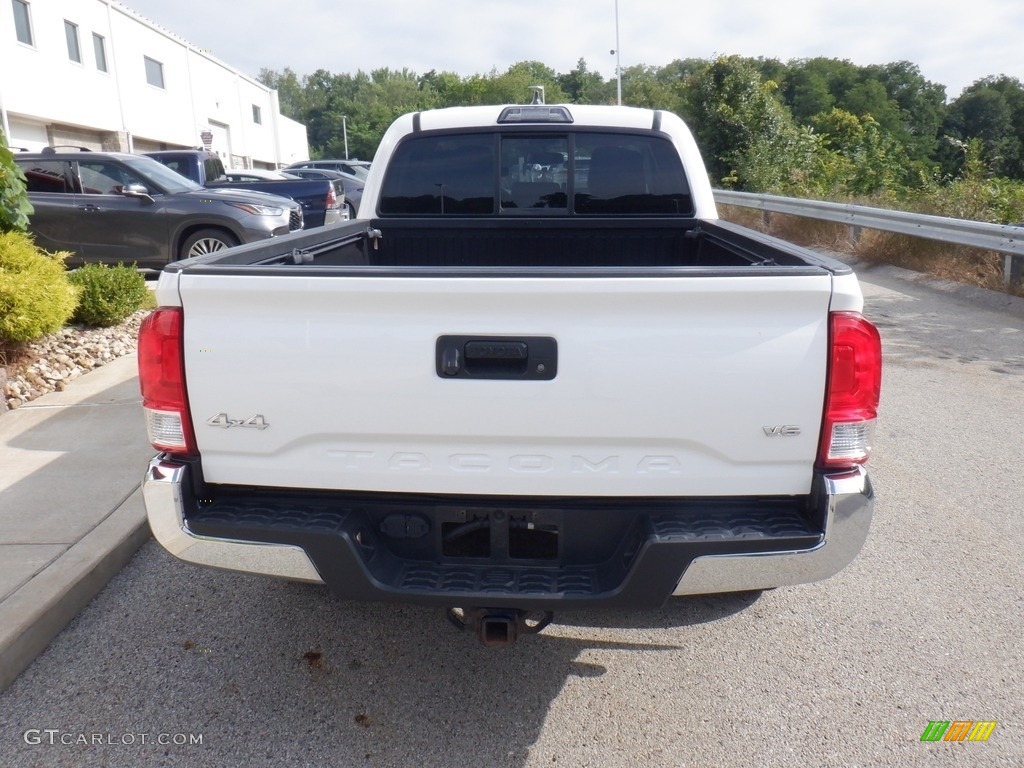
(616, 244)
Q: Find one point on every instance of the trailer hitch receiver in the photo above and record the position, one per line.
(499, 627)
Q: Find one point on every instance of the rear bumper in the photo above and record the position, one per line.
(661, 547)
(335, 215)
(167, 489)
(848, 501)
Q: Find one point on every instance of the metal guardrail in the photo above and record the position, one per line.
(1004, 238)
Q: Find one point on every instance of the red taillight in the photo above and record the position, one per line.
(162, 380)
(853, 385)
(332, 199)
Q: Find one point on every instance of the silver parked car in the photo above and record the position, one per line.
(359, 169)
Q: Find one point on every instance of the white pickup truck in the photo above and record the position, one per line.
(535, 372)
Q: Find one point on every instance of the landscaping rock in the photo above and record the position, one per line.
(49, 364)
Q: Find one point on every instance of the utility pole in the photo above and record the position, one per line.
(344, 132)
(618, 56)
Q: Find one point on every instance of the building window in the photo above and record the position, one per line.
(71, 33)
(154, 72)
(257, 115)
(99, 46)
(22, 21)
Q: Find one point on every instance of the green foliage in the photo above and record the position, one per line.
(896, 96)
(748, 137)
(581, 86)
(109, 294)
(991, 111)
(370, 102)
(921, 107)
(291, 94)
(866, 159)
(36, 297)
(823, 128)
(14, 205)
(641, 87)
(975, 194)
(812, 86)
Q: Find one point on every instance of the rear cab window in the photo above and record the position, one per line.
(213, 169)
(522, 173)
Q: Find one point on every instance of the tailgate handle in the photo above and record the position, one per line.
(509, 352)
(529, 358)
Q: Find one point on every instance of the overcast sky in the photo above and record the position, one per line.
(953, 42)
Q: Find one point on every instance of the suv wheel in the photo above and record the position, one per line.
(206, 241)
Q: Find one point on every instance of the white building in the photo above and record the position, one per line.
(94, 73)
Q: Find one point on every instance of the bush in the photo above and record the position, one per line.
(35, 295)
(109, 294)
(14, 205)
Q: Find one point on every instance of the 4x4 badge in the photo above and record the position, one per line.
(224, 422)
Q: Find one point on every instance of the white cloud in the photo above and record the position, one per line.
(953, 43)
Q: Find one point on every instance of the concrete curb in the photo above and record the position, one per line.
(71, 509)
(42, 608)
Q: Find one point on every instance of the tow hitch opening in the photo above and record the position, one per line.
(499, 627)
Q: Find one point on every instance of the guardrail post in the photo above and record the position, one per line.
(1013, 269)
(855, 234)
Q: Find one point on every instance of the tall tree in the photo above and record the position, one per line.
(641, 87)
(920, 105)
(291, 91)
(581, 86)
(813, 86)
(870, 159)
(445, 88)
(513, 85)
(748, 137)
(984, 112)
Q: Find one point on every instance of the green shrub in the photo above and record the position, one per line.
(35, 295)
(109, 294)
(14, 205)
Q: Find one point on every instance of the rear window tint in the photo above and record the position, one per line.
(543, 174)
(48, 176)
(442, 175)
(623, 174)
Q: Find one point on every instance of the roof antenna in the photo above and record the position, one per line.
(538, 94)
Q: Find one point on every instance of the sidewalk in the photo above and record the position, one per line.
(71, 513)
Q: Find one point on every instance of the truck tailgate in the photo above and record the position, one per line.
(670, 386)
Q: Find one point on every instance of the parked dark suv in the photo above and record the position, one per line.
(118, 208)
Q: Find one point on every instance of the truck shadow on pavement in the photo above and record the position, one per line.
(399, 685)
(291, 675)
